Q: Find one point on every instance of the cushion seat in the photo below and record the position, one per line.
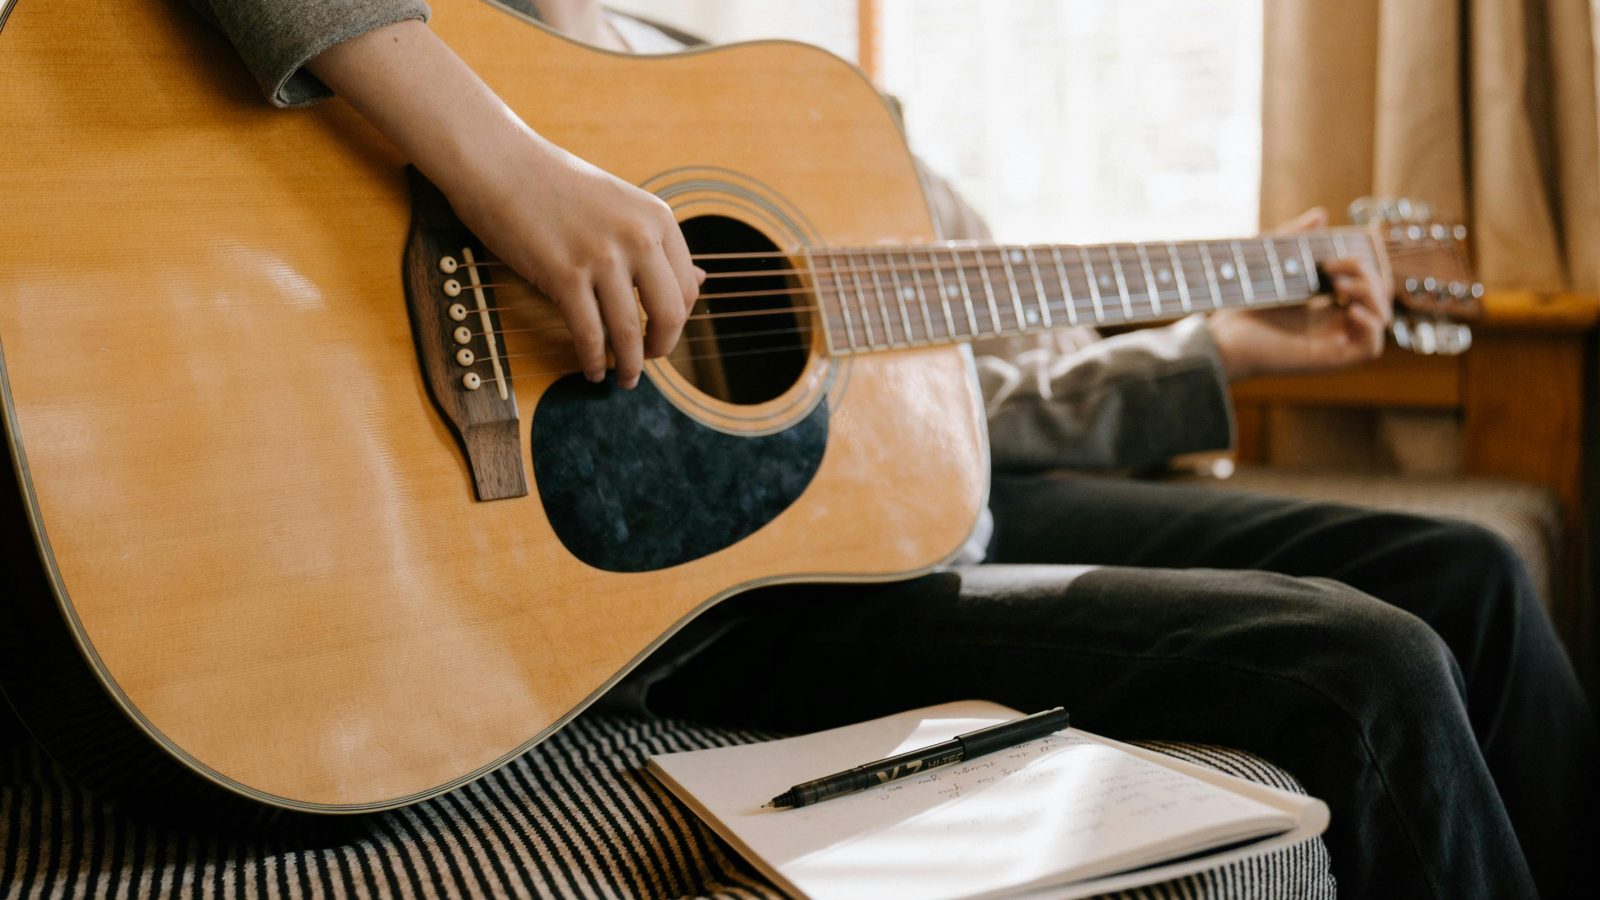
(576, 817)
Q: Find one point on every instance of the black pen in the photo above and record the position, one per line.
(965, 746)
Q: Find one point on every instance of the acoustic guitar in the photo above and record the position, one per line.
(310, 512)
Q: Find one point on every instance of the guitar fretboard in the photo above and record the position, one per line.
(881, 298)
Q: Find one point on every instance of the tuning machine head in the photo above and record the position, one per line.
(1430, 336)
(1390, 210)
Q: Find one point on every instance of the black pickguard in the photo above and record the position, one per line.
(631, 484)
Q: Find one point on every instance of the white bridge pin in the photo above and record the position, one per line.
(452, 288)
(465, 357)
(463, 335)
(458, 312)
(448, 265)
(472, 381)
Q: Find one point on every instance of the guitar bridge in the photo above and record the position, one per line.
(457, 330)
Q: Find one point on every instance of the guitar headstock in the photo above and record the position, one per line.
(1434, 290)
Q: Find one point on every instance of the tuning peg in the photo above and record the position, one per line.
(1451, 339)
(1404, 329)
(1430, 337)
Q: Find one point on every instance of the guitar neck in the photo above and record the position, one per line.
(889, 297)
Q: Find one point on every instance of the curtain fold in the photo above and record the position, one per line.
(1485, 108)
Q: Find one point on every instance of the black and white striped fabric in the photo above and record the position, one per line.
(577, 817)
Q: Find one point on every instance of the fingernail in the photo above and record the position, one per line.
(595, 377)
(631, 383)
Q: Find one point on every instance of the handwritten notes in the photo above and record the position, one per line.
(1052, 812)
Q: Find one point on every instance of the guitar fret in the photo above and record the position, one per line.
(1277, 270)
(1038, 285)
(899, 294)
(849, 327)
(900, 299)
(988, 293)
(1177, 274)
(1011, 282)
(1067, 300)
(1244, 274)
(1313, 284)
(883, 306)
(861, 298)
(1122, 283)
(966, 294)
(944, 298)
(1151, 289)
(822, 302)
(1211, 277)
(1094, 287)
(917, 294)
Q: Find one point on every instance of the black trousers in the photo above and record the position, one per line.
(1401, 667)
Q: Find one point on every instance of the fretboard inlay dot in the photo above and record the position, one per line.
(1291, 266)
(1226, 271)
(1164, 276)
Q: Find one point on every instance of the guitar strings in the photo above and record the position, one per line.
(1079, 304)
(1006, 320)
(896, 269)
(923, 294)
(553, 354)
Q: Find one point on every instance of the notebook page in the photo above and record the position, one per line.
(1057, 810)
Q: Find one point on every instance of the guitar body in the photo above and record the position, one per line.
(247, 553)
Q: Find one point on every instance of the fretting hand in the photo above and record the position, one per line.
(1330, 333)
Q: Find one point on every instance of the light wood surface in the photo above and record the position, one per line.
(261, 527)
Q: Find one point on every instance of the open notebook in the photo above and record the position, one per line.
(1069, 815)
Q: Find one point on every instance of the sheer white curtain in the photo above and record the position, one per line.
(1086, 120)
(1061, 120)
(827, 23)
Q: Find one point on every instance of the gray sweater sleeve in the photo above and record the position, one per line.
(275, 38)
(1066, 399)
(1129, 401)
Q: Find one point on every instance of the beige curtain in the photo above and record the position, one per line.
(1486, 108)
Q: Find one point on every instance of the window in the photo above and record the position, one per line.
(1060, 120)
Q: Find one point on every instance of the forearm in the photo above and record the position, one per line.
(275, 38)
(415, 90)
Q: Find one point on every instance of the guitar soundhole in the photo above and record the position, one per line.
(749, 338)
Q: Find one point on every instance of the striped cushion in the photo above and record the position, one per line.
(578, 816)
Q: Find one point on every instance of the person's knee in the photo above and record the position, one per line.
(1466, 545)
(1366, 648)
